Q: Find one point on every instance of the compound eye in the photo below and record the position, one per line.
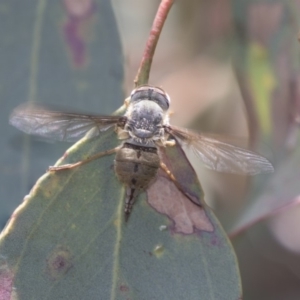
(152, 94)
(168, 99)
(132, 93)
(162, 99)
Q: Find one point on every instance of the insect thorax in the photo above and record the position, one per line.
(145, 121)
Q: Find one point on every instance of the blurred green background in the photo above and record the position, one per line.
(230, 67)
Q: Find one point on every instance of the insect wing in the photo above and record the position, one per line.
(221, 156)
(62, 126)
(181, 200)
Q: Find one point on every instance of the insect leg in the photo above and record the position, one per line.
(82, 162)
(168, 172)
(177, 184)
(170, 143)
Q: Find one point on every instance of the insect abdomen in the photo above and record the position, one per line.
(136, 166)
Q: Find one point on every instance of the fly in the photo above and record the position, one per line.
(144, 129)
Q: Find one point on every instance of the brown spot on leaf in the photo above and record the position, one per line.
(215, 241)
(124, 288)
(184, 206)
(59, 262)
(164, 197)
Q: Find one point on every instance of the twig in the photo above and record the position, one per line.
(142, 76)
(276, 211)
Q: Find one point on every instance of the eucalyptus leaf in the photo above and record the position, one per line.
(55, 52)
(68, 240)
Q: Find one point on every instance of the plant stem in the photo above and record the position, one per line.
(142, 76)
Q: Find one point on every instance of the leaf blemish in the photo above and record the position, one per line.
(187, 217)
(78, 27)
(59, 262)
(6, 283)
(163, 227)
(149, 253)
(159, 250)
(215, 241)
(124, 288)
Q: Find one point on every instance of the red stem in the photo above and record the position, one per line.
(240, 229)
(142, 76)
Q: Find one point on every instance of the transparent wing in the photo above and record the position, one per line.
(221, 156)
(62, 126)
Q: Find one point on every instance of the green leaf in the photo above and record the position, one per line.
(262, 83)
(52, 52)
(68, 240)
